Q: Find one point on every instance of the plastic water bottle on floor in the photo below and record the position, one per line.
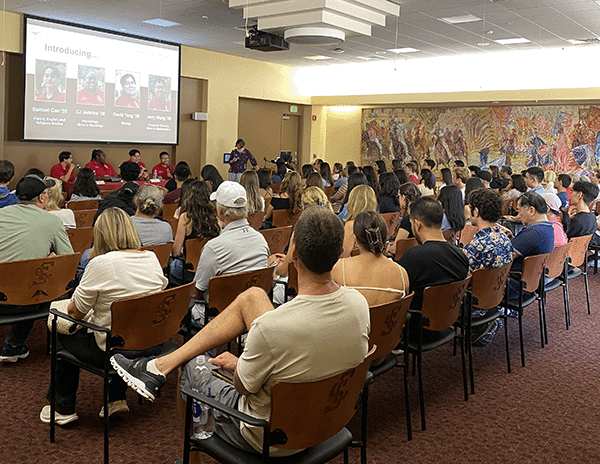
(202, 413)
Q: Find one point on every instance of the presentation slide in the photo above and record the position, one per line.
(89, 85)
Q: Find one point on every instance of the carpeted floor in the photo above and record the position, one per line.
(547, 412)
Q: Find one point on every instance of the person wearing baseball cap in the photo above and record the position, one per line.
(486, 177)
(28, 232)
(238, 248)
(553, 214)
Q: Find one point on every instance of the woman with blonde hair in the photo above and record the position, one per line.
(151, 231)
(379, 279)
(256, 203)
(119, 270)
(315, 196)
(362, 198)
(54, 199)
(289, 196)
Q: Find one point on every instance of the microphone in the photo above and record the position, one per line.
(270, 161)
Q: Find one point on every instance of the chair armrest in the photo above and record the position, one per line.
(80, 322)
(226, 409)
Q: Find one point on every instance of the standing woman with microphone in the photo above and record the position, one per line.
(238, 161)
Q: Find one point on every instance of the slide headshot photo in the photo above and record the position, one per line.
(50, 80)
(128, 96)
(90, 80)
(159, 98)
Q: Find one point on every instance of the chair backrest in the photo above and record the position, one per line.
(556, 263)
(276, 187)
(441, 304)
(105, 193)
(255, 220)
(84, 217)
(293, 277)
(578, 250)
(391, 220)
(387, 321)
(310, 413)
(508, 205)
(173, 223)
(277, 238)
(162, 252)
(467, 234)
(83, 204)
(223, 289)
(149, 320)
(193, 248)
(329, 191)
(284, 217)
(533, 267)
(168, 211)
(404, 244)
(488, 284)
(34, 281)
(81, 238)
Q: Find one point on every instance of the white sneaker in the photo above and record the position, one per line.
(115, 408)
(60, 419)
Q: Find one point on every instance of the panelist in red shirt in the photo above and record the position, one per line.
(102, 170)
(134, 157)
(64, 170)
(163, 170)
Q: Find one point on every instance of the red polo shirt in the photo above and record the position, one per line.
(101, 170)
(162, 171)
(58, 171)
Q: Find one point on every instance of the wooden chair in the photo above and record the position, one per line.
(329, 191)
(509, 205)
(404, 244)
(138, 324)
(488, 291)
(579, 263)
(311, 416)
(283, 217)
(168, 211)
(277, 238)
(391, 220)
(105, 193)
(84, 217)
(35, 281)
(83, 204)
(467, 234)
(276, 187)
(173, 223)
(387, 323)
(255, 220)
(440, 310)
(81, 238)
(193, 248)
(162, 252)
(530, 279)
(556, 270)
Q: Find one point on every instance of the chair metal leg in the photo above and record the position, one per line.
(568, 304)
(587, 290)
(363, 431)
(421, 394)
(406, 398)
(520, 317)
(188, 431)
(345, 455)
(541, 315)
(106, 415)
(464, 366)
(470, 348)
(505, 318)
(53, 383)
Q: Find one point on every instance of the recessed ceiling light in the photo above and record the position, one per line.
(161, 22)
(318, 57)
(366, 58)
(338, 50)
(516, 40)
(483, 44)
(204, 17)
(460, 19)
(403, 50)
(380, 53)
(597, 2)
(576, 42)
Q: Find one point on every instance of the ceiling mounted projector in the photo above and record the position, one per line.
(315, 36)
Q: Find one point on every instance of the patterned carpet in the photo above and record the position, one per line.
(546, 412)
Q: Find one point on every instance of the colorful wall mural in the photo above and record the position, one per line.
(559, 138)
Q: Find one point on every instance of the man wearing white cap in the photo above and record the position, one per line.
(239, 248)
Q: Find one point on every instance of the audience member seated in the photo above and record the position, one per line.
(172, 183)
(151, 231)
(119, 270)
(163, 170)
(446, 177)
(314, 179)
(256, 203)
(264, 183)
(549, 181)
(362, 198)
(473, 183)
(427, 183)
(381, 167)
(562, 186)
(85, 187)
(182, 173)
(534, 176)
(7, 172)
(55, 196)
(355, 179)
(515, 188)
(305, 172)
(486, 178)
(454, 212)
(28, 232)
(406, 195)
(102, 170)
(490, 248)
(326, 175)
(580, 220)
(64, 170)
(135, 157)
(379, 279)
(553, 215)
(123, 198)
(411, 168)
(280, 172)
(388, 197)
(238, 248)
(211, 175)
(295, 343)
(372, 178)
(197, 219)
(337, 200)
(289, 196)
(461, 175)
(536, 238)
(337, 172)
(496, 182)
(434, 261)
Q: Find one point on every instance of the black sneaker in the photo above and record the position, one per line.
(13, 353)
(135, 374)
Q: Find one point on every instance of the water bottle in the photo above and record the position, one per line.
(202, 414)
(154, 175)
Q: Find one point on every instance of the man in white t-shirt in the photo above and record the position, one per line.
(321, 333)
